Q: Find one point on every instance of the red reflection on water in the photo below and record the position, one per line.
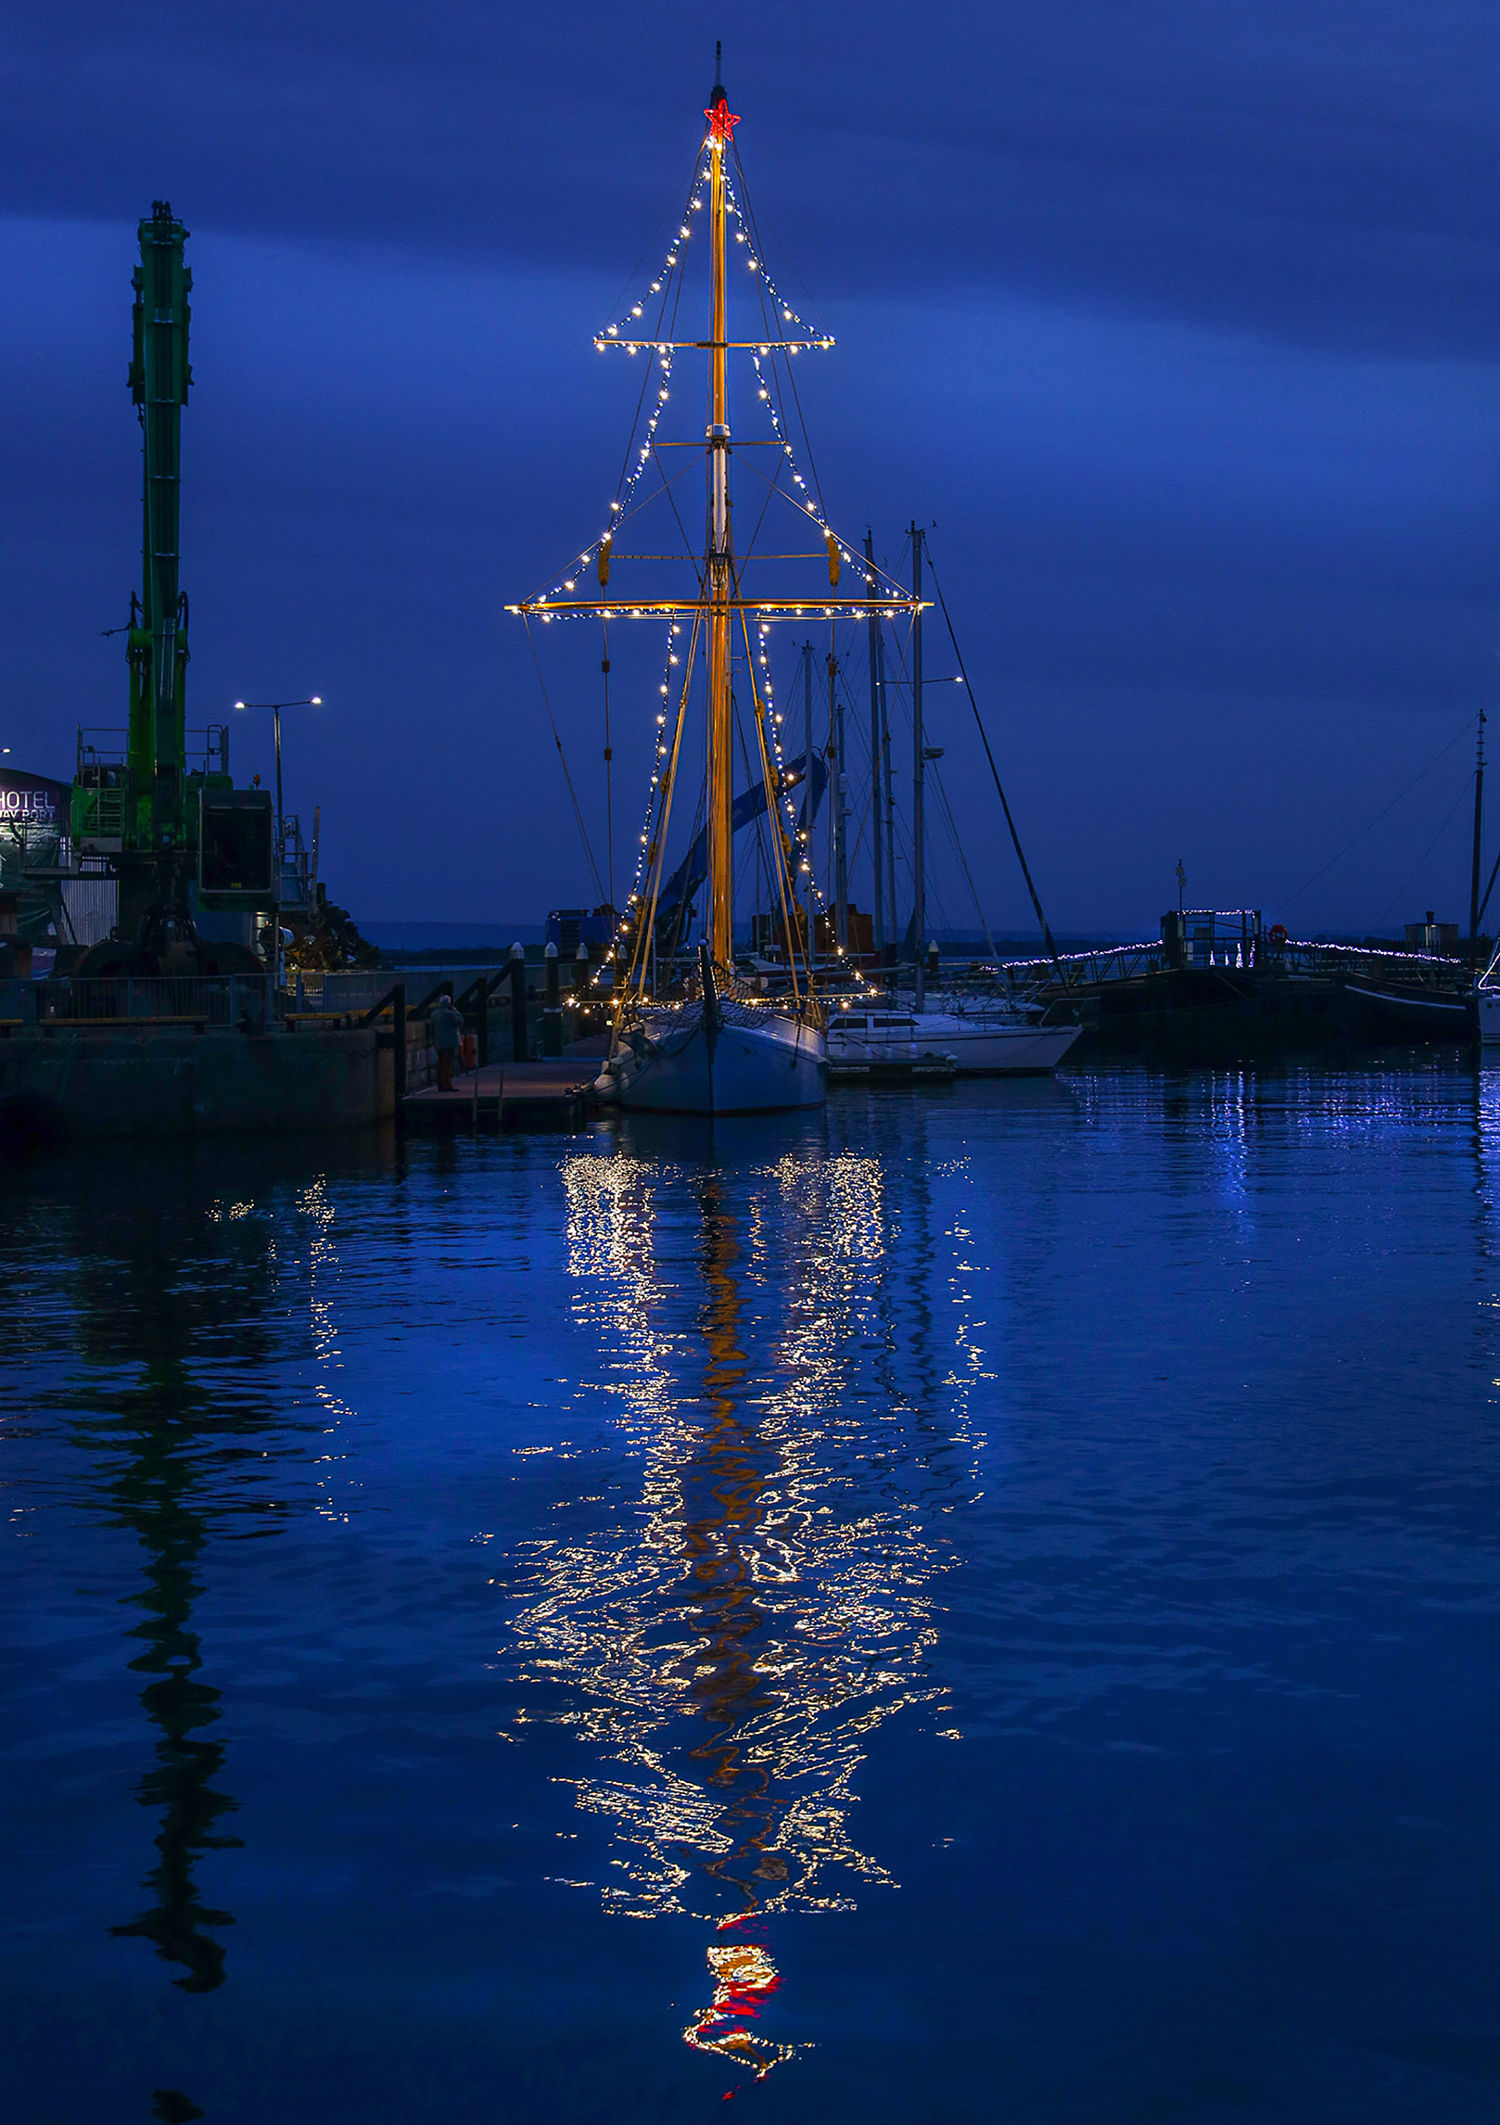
(744, 1977)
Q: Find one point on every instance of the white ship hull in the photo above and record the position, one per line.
(997, 1047)
(682, 1062)
(1489, 1017)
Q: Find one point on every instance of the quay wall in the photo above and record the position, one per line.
(60, 1083)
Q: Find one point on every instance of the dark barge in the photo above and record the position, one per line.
(1219, 985)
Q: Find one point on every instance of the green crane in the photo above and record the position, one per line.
(182, 841)
(160, 376)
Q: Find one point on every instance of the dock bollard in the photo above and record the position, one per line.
(552, 1040)
(580, 985)
(518, 1044)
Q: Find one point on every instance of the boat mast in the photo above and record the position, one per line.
(918, 779)
(807, 804)
(877, 823)
(721, 123)
(1478, 829)
(840, 807)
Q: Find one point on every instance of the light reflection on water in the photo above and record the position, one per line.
(1133, 1439)
(727, 1648)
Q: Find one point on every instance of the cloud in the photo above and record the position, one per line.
(1324, 173)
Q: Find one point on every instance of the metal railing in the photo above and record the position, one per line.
(1077, 970)
(241, 1000)
(359, 989)
(353, 994)
(1293, 956)
(1427, 970)
(205, 751)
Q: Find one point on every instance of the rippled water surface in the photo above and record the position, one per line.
(978, 1605)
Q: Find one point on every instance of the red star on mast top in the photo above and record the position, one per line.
(721, 120)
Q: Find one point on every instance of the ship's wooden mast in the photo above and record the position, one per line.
(719, 604)
(720, 560)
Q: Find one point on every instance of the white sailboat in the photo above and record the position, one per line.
(716, 1054)
(985, 1039)
(704, 1040)
(986, 1035)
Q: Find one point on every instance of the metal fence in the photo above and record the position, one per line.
(166, 999)
(1122, 962)
(1292, 956)
(360, 990)
(240, 999)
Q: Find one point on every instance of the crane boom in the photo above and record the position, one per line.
(160, 377)
(193, 856)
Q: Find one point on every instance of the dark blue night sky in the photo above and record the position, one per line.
(1177, 321)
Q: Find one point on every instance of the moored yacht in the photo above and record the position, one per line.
(990, 1040)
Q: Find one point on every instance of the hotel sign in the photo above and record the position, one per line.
(33, 801)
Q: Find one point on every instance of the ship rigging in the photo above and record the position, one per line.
(716, 1046)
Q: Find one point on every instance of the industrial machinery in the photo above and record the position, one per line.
(195, 858)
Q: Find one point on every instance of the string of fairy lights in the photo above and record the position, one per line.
(813, 501)
(625, 333)
(796, 836)
(653, 797)
(618, 334)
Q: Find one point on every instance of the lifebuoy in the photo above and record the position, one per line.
(1277, 934)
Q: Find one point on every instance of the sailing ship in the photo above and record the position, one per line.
(704, 1039)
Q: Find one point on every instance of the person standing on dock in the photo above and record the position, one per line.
(447, 1031)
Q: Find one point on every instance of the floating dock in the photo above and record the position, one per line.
(513, 1095)
(920, 1070)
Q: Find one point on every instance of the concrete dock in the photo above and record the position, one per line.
(154, 1079)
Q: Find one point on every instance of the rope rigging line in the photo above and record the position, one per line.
(650, 242)
(609, 774)
(963, 861)
(746, 216)
(1432, 844)
(562, 756)
(774, 790)
(655, 856)
(1443, 751)
(1036, 903)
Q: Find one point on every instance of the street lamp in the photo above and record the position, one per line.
(312, 701)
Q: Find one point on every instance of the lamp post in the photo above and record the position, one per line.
(311, 701)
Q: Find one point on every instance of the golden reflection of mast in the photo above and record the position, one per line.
(720, 566)
(723, 1510)
(730, 1650)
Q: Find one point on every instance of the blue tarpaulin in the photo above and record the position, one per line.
(749, 805)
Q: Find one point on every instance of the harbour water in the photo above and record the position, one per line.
(978, 1603)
